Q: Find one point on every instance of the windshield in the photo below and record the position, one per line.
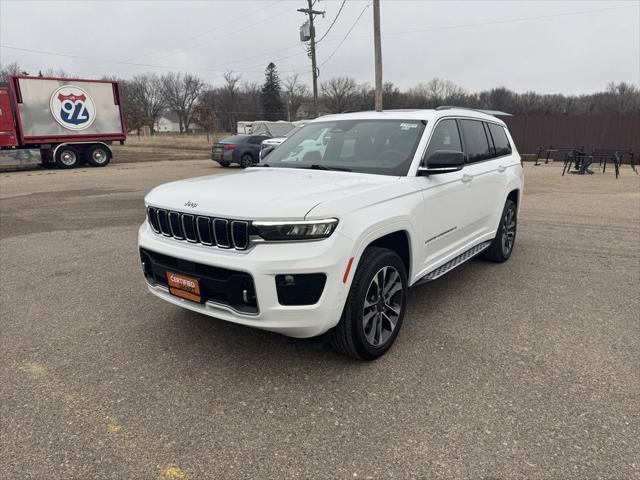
(384, 147)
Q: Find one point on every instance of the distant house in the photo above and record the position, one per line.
(168, 123)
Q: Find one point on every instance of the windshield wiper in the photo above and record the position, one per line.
(316, 166)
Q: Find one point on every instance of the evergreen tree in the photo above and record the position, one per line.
(271, 102)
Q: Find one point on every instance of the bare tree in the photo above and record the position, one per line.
(250, 101)
(229, 100)
(147, 92)
(204, 113)
(294, 94)
(51, 72)
(338, 93)
(181, 92)
(9, 70)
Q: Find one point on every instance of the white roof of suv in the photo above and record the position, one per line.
(428, 115)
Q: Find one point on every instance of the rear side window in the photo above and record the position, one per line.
(500, 140)
(235, 139)
(445, 137)
(475, 141)
(257, 140)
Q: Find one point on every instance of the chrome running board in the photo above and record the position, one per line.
(453, 263)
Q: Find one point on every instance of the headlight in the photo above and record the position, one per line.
(292, 231)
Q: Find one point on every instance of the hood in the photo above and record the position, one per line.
(264, 193)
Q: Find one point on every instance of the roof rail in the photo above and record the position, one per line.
(495, 113)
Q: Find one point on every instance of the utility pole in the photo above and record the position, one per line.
(312, 47)
(377, 53)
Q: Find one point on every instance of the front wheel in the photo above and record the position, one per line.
(224, 164)
(67, 157)
(375, 308)
(502, 246)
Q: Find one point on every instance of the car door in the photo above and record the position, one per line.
(483, 178)
(253, 145)
(446, 200)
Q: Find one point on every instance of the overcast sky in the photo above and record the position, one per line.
(546, 46)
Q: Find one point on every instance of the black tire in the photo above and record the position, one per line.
(224, 164)
(349, 336)
(98, 156)
(246, 160)
(502, 246)
(67, 157)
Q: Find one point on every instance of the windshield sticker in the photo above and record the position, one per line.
(408, 126)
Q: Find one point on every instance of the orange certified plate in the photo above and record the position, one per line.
(185, 287)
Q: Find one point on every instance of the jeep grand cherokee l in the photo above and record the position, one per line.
(329, 231)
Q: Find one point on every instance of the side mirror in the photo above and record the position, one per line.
(441, 161)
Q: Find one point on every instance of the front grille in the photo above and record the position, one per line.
(218, 232)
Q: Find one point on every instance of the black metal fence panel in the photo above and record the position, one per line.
(620, 132)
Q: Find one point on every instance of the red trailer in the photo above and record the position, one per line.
(71, 121)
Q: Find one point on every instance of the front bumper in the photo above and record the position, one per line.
(263, 262)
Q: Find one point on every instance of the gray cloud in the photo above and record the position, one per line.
(477, 44)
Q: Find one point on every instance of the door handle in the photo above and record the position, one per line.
(501, 168)
(467, 178)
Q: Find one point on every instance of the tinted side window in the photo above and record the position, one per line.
(256, 140)
(445, 137)
(475, 141)
(500, 140)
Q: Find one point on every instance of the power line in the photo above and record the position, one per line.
(177, 50)
(80, 57)
(148, 65)
(347, 35)
(202, 34)
(479, 24)
(497, 22)
(407, 32)
(227, 34)
(332, 23)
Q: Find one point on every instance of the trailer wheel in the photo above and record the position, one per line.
(67, 157)
(98, 156)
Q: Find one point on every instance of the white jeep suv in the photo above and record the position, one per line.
(329, 231)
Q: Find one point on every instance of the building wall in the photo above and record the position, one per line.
(593, 131)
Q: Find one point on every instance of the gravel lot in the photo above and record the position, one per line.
(530, 369)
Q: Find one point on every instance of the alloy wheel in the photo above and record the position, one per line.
(382, 306)
(508, 231)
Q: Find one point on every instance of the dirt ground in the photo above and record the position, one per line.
(527, 369)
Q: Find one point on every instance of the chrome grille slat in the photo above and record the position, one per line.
(203, 226)
(189, 228)
(240, 234)
(174, 217)
(152, 215)
(221, 232)
(209, 231)
(163, 223)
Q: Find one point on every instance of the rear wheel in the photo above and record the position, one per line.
(67, 157)
(502, 245)
(375, 308)
(98, 156)
(246, 160)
